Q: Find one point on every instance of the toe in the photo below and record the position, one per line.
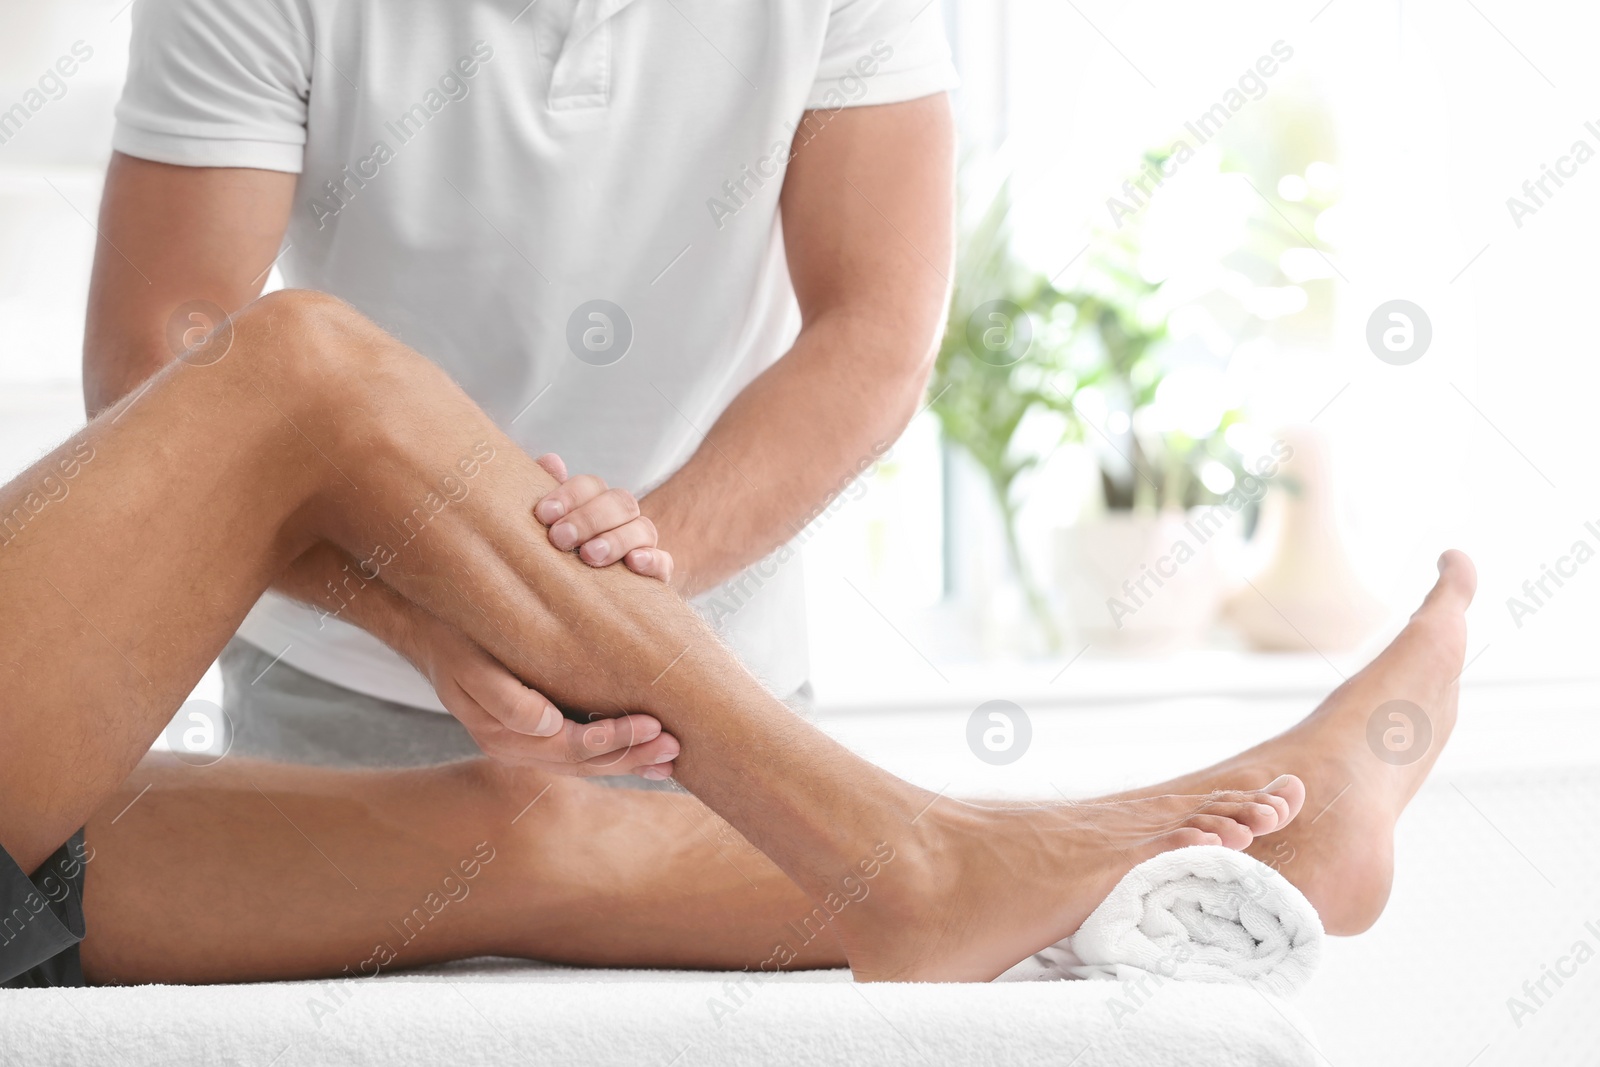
(1252, 811)
(1230, 833)
(1184, 837)
(1261, 810)
(1458, 581)
(1287, 793)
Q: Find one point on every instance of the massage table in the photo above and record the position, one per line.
(484, 1012)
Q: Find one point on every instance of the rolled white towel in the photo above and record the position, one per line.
(1205, 914)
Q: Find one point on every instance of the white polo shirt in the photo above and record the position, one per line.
(569, 205)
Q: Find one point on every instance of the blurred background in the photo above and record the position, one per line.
(1193, 446)
(1120, 357)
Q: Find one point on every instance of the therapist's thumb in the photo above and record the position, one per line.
(553, 465)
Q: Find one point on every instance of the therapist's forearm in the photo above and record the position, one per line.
(868, 233)
(787, 444)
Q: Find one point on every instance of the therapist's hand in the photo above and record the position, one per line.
(515, 724)
(509, 721)
(603, 525)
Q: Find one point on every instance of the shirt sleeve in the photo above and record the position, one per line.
(217, 83)
(882, 52)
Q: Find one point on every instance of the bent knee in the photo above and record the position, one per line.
(306, 340)
(304, 319)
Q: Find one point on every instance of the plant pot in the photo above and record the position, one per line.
(1147, 583)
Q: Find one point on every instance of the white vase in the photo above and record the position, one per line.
(1143, 582)
(1307, 597)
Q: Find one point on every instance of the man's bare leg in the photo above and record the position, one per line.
(129, 554)
(320, 428)
(249, 871)
(1341, 854)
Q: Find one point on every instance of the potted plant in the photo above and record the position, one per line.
(1166, 441)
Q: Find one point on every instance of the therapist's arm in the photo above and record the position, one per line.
(868, 220)
(171, 235)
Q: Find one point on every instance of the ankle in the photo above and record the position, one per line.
(910, 870)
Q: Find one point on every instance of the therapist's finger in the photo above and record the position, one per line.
(491, 713)
(658, 772)
(492, 689)
(567, 497)
(502, 696)
(515, 724)
(553, 465)
(611, 545)
(616, 746)
(608, 511)
(564, 753)
(616, 756)
(651, 563)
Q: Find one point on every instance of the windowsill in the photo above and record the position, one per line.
(1107, 681)
(1110, 725)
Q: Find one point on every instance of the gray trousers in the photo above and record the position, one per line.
(287, 716)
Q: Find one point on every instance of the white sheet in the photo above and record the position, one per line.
(502, 1012)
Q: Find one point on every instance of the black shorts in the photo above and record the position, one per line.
(41, 919)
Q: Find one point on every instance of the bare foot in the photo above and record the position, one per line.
(1363, 754)
(979, 889)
